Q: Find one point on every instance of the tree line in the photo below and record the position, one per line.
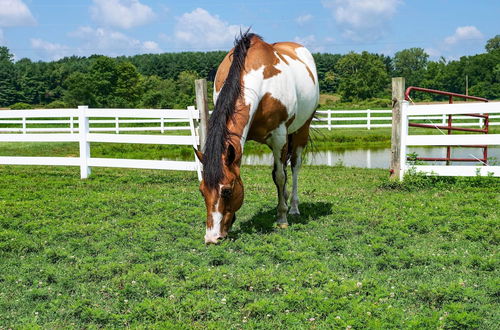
(166, 80)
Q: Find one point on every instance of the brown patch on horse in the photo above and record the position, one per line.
(262, 54)
(288, 49)
(268, 116)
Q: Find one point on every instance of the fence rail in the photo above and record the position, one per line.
(78, 129)
(329, 119)
(383, 118)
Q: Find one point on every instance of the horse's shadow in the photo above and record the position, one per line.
(264, 221)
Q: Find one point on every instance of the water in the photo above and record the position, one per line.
(376, 158)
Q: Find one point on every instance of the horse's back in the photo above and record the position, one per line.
(282, 75)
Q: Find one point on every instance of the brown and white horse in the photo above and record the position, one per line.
(263, 92)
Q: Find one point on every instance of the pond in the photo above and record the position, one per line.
(376, 158)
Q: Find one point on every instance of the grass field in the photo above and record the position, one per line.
(125, 248)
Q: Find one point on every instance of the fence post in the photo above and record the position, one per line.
(83, 129)
(368, 117)
(24, 125)
(195, 142)
(202, 106)
(117, 125)
(398, 92)
(402, 140)
(329, 120)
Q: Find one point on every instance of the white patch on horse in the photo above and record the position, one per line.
(292, 86)
(213, 233)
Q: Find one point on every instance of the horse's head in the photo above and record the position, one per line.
(223, 198)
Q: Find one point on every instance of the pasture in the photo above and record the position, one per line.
(125, 248)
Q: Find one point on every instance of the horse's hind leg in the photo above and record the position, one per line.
(278, 143)
(299, 141)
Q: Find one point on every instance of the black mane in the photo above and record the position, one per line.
(218, 134)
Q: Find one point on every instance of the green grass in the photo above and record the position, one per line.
(125, 248)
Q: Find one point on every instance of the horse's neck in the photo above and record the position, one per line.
(239, 124)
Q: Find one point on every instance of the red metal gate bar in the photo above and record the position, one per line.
(476, 115)
(450, 94)
(450, 128)
(446, 159)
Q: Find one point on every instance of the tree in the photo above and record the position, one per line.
(158, 93)
(493, 44)
(127, 91)
(362, 76)
(80, 90)
(32, 81)
(411, 64)
(325, 64)
(8, 88)
(104, 76)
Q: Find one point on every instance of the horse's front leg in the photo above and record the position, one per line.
(278, 143)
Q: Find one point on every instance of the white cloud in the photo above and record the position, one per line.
(466, 40)
(95, 41)
(310, 43)
(362, 20)
(124, 14)
(112, 43)
(15, 13)
(2, 38)
(301, 20)
(463, 33)
(432, 52)
(201, 30)
(306, 41)
(50, 50)
(151, 47)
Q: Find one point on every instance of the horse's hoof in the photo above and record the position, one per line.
(282, 225)
(294, 211)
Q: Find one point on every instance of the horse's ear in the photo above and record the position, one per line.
(231, 154)
(198, 154)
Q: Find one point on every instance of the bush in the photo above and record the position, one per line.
(379, 103)
(21, 106)
(58, 104)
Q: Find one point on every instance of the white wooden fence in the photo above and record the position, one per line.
(84, 134)
(416, 112)
(324, 119)
(383, 118)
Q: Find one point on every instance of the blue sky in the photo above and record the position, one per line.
(51, 29)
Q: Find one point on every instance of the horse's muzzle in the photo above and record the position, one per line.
(213, 239)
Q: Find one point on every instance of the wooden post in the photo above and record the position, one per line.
(202, 106)
(398, 95)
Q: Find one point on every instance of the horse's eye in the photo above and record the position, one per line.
(226, 193)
